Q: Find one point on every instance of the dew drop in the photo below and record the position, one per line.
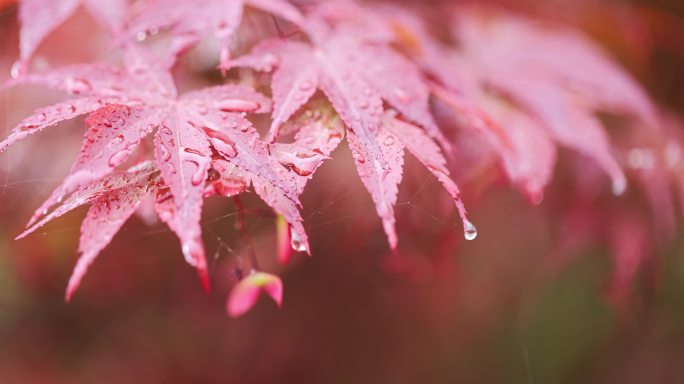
(164, 153)
(119, 157)
(78, 86)
(619, 186)
(193, 151)
(213, 175)
(222, 143)
(237, 105)
(42, 117)
(402, 96)
(118, 140)
(469, 230)
(192, 252)
(537, 197)
(364, 104)
(165, 130)
(18, 69)
(28, 127)
(389, 141)
(305, 86)
(672, 155)
(297, 244)
(358, 157)
(199, 176)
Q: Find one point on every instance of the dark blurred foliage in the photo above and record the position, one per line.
(508, 307)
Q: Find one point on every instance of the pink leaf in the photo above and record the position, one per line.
(115, 131)
(110, 13)
(428, 153)
(556, 76)
(191, 21)
(228, 98)
(356, 76)
(39, 18)
(193, 130)
(183, 154)
(238, 142)
(49, 117)
(319, 132)
(105, 217)
(90, 193)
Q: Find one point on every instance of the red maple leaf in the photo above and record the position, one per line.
(357, 75)
(40, 17)
(195, 132)
(191, 21)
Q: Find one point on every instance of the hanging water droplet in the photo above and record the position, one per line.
(619, 186)
(469, 230)
(296, 242)
(192, 252)
(536, 197)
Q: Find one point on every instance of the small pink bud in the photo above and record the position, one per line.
(246, 293)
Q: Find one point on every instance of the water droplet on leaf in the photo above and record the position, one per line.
(78, 86)
(118, 158)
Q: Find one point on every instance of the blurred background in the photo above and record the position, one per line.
(537, 298)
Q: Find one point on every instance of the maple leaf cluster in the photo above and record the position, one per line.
(373, 74)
